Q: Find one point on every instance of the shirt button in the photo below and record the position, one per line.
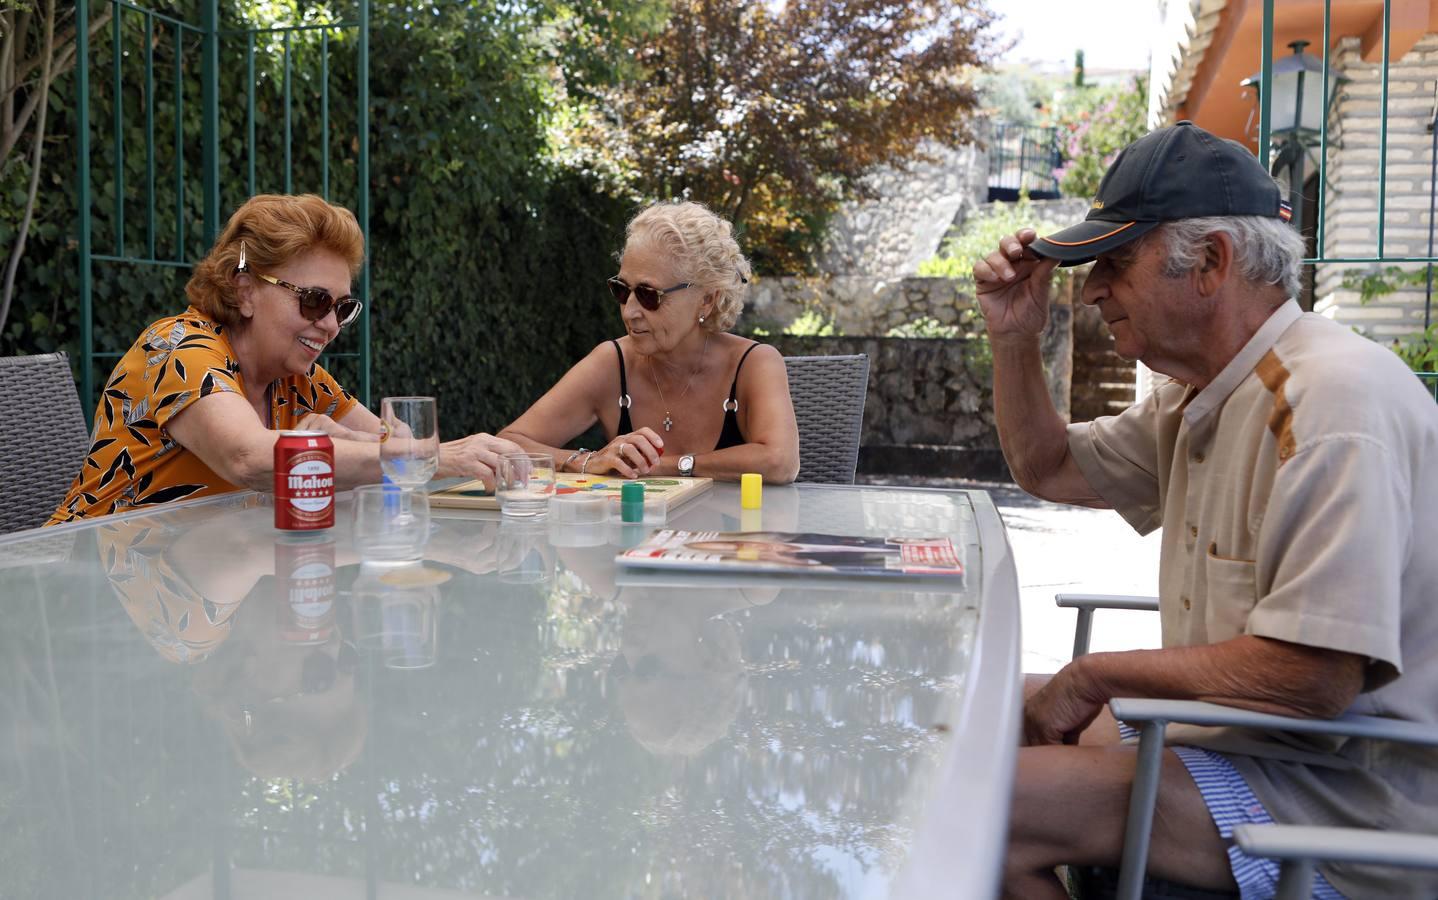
(1187, 603)
(1198, 458)
(1193, 531)
(1284, 452)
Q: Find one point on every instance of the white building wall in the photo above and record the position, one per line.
(1351, 215)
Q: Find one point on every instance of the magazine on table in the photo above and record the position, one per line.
(802, 553)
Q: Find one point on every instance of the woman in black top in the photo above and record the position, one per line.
(678, 394)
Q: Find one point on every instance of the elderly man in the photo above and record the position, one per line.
(1293, 467)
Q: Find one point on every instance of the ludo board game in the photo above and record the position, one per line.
(677, 491)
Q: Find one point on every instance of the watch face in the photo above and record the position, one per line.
(686, 464)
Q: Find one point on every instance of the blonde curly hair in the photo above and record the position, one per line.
(276, 228)
(703, 245)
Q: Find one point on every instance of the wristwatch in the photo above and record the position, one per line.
(686, 465)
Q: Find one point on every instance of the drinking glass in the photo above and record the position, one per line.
(525, 483)
(409, 449)
(391, 522)
(409, 446)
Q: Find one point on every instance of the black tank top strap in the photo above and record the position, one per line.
(734, 387)
(625, 425)
(730, 435)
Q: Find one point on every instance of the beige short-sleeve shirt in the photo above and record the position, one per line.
(1298, 496)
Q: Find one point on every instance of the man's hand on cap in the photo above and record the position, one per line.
(1012, 285)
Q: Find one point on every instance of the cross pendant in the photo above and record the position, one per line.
(668, 423)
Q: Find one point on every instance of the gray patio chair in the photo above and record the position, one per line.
(44, 439)
(828, 394)
(1296, 847)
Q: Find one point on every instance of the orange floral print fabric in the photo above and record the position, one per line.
(132, 461)
(179, 622)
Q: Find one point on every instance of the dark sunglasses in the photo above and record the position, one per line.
(315, 303)
(647, 296)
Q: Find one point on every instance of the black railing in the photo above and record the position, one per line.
(1023, 158)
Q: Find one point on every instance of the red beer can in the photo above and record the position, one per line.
(304, 481)
(305, 583)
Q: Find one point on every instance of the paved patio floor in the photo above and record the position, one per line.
(1067, 548)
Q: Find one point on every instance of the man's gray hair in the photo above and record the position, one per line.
(1265, 250)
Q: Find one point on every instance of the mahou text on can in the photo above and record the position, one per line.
(304, 481)
(305, 581)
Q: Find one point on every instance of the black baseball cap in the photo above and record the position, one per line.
(1178, 172)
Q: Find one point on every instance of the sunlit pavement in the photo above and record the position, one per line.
(1070, 549)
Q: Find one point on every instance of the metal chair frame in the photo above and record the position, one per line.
(1296, 847)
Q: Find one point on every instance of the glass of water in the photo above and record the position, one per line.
(409, 447)
(409, 443)
(525, 483)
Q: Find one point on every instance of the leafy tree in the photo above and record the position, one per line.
(1094, 124)
(487, 252)
(1017, 94)
(36, 47)
(979, 235)
(770, 112)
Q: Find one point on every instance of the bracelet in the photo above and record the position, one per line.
(584, 465)
(564, 465)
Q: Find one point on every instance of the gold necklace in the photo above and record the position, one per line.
(668, 420)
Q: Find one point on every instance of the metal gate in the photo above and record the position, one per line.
(1272, 152)
(159, 31)
(1023, 158)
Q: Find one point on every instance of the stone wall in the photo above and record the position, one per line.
(930, 402)
(1351, 210)
(913, 210)
(1104, 383)
(921, 390)
(1065, 211)
(887, 237)
(870, 307)
(929, 407)
(855, 304)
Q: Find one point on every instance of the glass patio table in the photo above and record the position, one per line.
(195, 706)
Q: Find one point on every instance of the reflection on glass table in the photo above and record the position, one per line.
(204, 708)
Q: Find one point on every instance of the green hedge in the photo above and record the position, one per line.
(487, 259)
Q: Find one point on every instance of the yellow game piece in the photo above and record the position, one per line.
(751, 490)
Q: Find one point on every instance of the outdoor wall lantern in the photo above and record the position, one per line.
(1296, 115)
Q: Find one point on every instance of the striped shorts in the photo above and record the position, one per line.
(1231, 802)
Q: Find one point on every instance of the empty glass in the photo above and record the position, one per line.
(409, 448)
(391, 522)
(525, 483)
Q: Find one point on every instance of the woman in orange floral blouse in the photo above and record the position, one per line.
(194, 406)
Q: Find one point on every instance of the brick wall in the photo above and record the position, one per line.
(1351, 228)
